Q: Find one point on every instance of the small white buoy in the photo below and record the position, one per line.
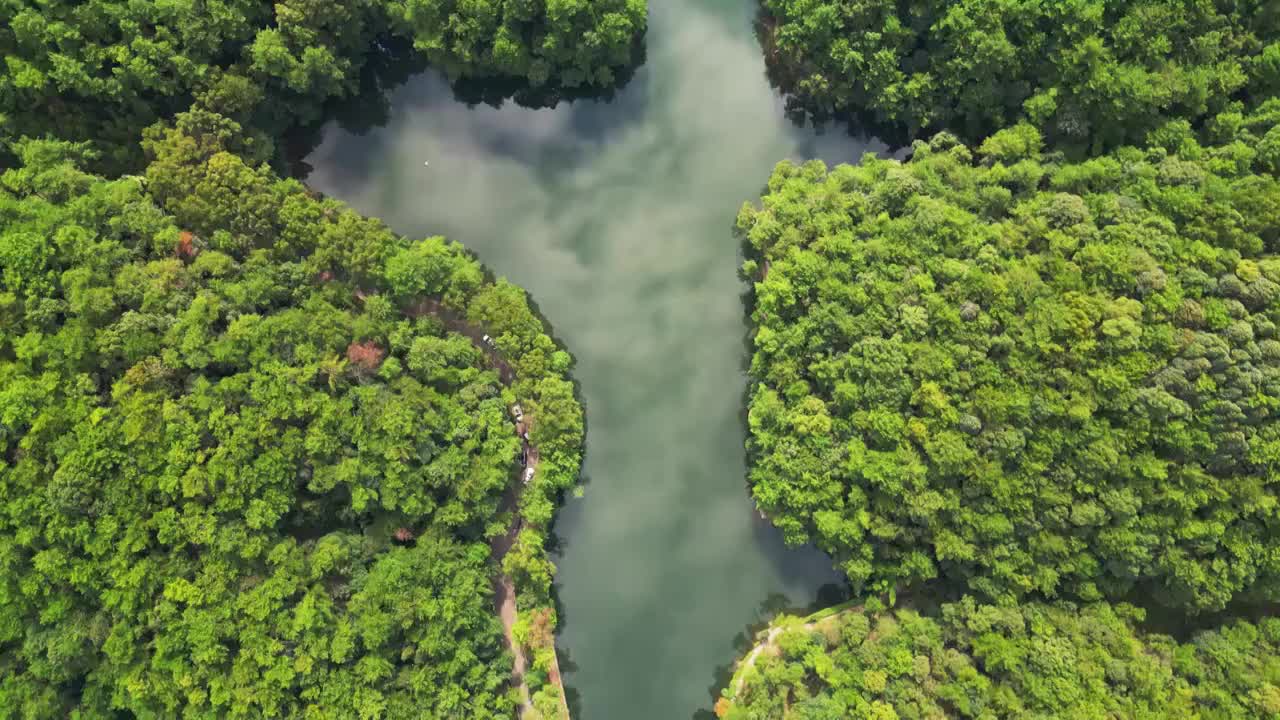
(426, 162)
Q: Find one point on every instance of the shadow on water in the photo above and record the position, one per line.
(391, 63)
(497, 92)
(1183, 627)
(613, 212)
(773, 605)
(394, 68)
(792, 566)
(567, 666)
(592, 118)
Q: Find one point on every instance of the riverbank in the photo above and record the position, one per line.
(616, 217)
(504, 586)
(767, 642)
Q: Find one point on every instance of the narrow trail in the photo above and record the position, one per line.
(750, 660)
(504, 590)
(808, 624)
(504, 598)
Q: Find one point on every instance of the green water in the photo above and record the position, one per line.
(617, 217)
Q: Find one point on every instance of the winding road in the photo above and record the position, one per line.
(504, 589)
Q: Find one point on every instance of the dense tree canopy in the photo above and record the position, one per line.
(1030, 661)
(1087, 72)
(1026, 376)
(105, 69)
(571, 43)
(244, 470)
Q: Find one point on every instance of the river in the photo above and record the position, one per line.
(617, 218)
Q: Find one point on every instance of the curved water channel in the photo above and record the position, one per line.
(617, 217)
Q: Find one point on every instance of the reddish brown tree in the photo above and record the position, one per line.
(186, 248)
(365, 356)
(541, 628)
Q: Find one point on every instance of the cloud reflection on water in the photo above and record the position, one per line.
(617, 218)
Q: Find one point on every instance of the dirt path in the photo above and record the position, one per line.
(504, 589)
(504, 597)
(808, 624)
(457, 323)
(750, 660)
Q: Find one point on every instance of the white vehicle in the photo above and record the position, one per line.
(489, 341)
(528, 475)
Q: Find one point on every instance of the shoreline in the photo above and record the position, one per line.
(504, 589)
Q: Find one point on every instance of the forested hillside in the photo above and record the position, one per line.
(103, 70)
(249, 460)
(1091, 74)
(1029, 661)
(1026, 377)
(1029, 374)
(257, 454)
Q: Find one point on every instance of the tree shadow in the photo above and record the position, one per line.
(1183, 626)
(572, 695)
(497, 91)
(783, 75)
(773, 605)
(393, 62)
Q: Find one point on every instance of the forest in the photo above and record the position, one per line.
(257, 453)
(261, 456)
(1090, 74)
(103, 70)
(247, 471)
(1025, 376)
(1036, 660)
(1023, 384)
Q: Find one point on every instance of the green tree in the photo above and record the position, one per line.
(1034, 660)
(242, 472)
(1091, 74)
(1024, 376)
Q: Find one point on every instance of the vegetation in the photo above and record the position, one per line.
(1030, 661)
(568, 43)
(1039, 373)
(1088, 73)
(1022, 376)
(255, 459)
(249, 458)
(103, 70)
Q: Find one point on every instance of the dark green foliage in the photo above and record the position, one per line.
(105, 69)
(1087, 72)
(1023, 376)
(1030, 661)
(565, 43)
(242, 472)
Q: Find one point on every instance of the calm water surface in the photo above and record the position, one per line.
(617, 217)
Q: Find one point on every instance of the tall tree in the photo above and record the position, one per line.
(1024, 376)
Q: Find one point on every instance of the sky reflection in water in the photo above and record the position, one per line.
(617, 217)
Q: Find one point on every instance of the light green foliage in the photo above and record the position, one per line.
(241, 473)
(1030, 661)
(1087, 72)
(1022, 376)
